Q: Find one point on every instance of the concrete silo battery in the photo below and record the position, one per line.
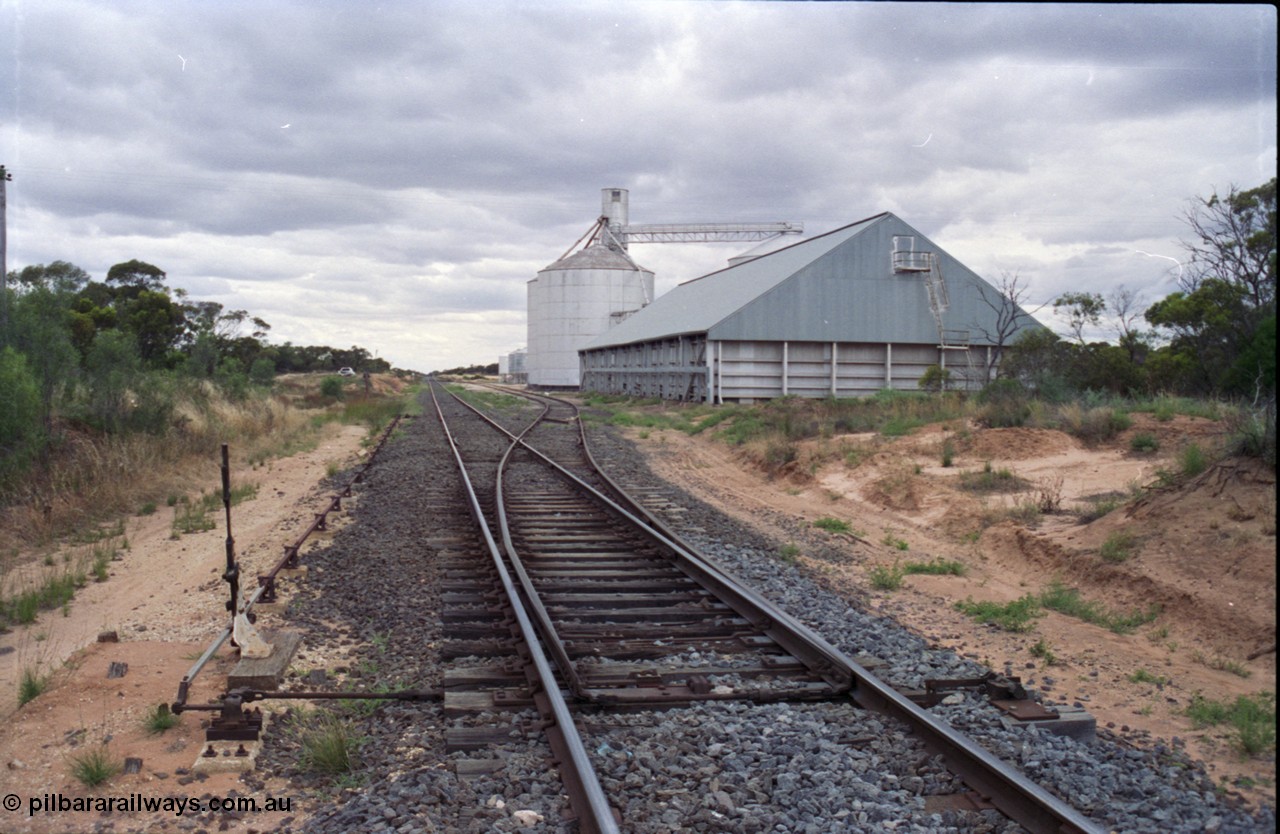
(574, 300)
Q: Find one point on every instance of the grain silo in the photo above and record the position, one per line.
(574, 299)
(589, 291)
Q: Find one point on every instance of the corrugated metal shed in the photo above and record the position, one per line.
(836, 287)
(868, 306)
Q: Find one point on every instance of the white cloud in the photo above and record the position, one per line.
(437, 155)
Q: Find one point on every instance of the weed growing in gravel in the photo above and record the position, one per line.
(159, 719)
(1041, 650)
(789, 553)
(1009, 616)
(329, 746)
(93, 767)
(1252, 717)
(365, 706)
(486, 399)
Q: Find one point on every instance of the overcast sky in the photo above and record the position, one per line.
(391, 175)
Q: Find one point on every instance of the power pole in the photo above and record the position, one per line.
(5, 176)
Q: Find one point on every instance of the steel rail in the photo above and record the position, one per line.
(784, 629)
(546, 626)
(1008, 789)
(597, 817)
(827, 668)
(266, 583)
(1016, 796)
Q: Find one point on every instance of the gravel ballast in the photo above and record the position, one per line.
(372, 618)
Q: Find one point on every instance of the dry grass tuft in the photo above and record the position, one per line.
(91, 476)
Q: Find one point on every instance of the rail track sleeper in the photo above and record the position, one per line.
(757, 629)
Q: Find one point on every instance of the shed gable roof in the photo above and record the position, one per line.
(839, 286)
(699, 304)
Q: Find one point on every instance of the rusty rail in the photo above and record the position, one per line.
(266, 582)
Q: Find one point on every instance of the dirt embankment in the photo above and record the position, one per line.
(1201, 552)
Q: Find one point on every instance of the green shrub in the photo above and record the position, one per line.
(1144, 443)
(1143, 676)
(1093, 425)
(890, 540)
(31, 685)
(934, 379)
(1253, 434)
(1099, 505)
(1252, 717)
(886, 578)
(900, 426)
(21, 424)
(1004, 403)
(1041, 650)
(991, 479)
(93, 767)
(936, 567)
(1192, 460)
(1118, 547)
(1010, 616)
(332, 387)
(780, 452)
(262, 371)
(1064, 600)
(832, 525)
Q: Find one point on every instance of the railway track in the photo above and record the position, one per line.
(629, 614)
(609, 678)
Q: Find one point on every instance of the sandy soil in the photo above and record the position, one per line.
(1206, 554)
(164, 599)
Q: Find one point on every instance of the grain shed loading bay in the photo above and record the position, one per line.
(868, 306)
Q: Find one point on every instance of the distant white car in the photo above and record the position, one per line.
(346, 372)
